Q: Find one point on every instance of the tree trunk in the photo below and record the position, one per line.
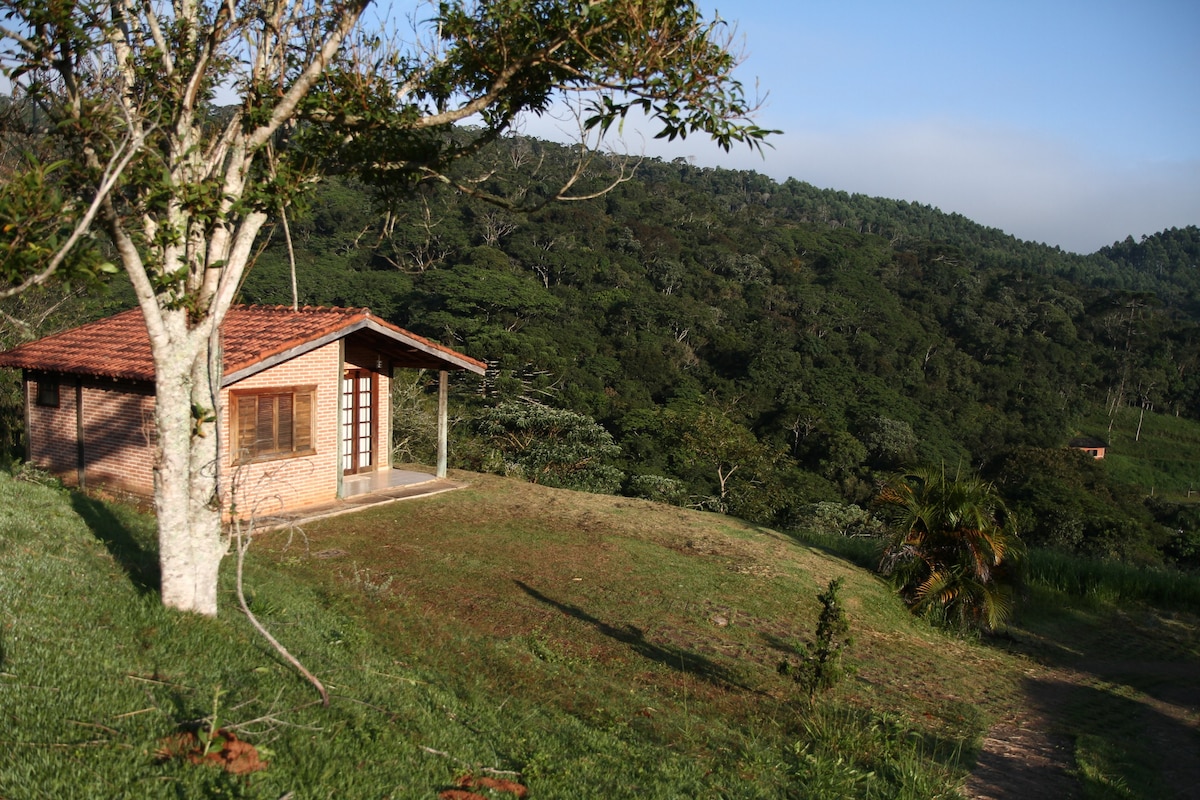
(190, 539)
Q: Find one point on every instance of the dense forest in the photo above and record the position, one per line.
(720, 339)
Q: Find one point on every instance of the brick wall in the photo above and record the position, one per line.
(51, 434)
(268, 487)
(119, 436)
(118, 425)
(118, 432)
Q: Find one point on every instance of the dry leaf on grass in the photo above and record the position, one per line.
(233, 756)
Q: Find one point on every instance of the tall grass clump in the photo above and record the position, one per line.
(1111, 581)
(849, 753)
(863, 551)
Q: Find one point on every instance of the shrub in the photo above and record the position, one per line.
(842, 519)
(819, 667)
(550, 446)
(657, 488)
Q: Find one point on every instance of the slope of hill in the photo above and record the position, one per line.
(568, 644)
(577, 644)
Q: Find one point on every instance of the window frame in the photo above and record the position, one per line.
(47, 394)
(302, 442)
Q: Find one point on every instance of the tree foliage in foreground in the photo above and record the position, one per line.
(124, 92)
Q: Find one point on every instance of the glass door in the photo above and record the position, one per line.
(358, 421)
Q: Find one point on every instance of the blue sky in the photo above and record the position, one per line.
(1070, 122)
(1065, 122)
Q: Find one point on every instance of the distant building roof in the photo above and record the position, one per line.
(252, 337)
(1088, 443)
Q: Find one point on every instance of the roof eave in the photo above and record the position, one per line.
(451, 359)
(456, 360)
(278, 358)
(78, 372)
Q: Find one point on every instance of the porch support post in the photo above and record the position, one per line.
(341, 416)
(443, 430)
(80, 434)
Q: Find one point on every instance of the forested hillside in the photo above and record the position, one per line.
(759, 347)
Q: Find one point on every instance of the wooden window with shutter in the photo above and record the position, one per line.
(273, 423)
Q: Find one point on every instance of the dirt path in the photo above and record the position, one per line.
(1146, 707)
(1022, 757)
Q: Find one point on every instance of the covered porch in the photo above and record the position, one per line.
(370, 354)
(363, 491)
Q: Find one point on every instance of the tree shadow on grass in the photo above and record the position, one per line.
(1121, 688)
(1140, 737)
(139, 562)
(673, 657)
(786, 647)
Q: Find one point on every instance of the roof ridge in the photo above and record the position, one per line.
(286, 309)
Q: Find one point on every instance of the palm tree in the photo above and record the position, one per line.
(953, 548)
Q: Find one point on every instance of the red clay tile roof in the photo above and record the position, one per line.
(118, 346)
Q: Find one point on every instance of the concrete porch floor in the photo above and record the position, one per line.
(363, 491)
(382, 480)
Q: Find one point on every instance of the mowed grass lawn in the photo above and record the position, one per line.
(577, 645)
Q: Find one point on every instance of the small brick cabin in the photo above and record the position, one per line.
(1096, 448)
(304, 402)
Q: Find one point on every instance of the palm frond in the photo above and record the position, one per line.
(951, 549)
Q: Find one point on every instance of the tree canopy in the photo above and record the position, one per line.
(123, 94)
(842, 336)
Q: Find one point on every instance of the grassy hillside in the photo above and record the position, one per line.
(1158, 453)
(578, 644)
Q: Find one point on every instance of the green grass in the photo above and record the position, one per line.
(584, 646)
(1112, 582)
(1162, 459)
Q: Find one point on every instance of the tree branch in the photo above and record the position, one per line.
(112, 174)
(243, 544)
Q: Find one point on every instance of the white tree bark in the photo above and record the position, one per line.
(191, 543)
(192, 280)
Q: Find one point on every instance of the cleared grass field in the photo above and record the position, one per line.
(1158, 453)
(579, 645)
(572, 645)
